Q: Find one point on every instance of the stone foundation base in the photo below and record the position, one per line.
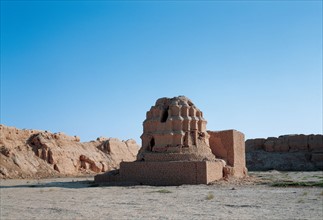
(237, 172)
(163, 173)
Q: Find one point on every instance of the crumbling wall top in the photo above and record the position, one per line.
(175, 125)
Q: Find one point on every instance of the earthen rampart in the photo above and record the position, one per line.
(286, 152)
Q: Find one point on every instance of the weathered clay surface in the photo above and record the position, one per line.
(32, 153)
(229, 145)
(175, 126)
(286, 152)
(175, 149)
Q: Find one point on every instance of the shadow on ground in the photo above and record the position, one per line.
(69, 185)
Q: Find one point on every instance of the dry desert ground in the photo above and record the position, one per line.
(81, 198)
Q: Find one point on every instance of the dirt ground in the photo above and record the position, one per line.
(80, 198)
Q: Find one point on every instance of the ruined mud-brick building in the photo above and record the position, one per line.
(177, 149)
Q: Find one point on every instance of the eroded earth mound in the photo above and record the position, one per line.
(33, 154)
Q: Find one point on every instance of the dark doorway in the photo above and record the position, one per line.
(152, 143)
(164, 115)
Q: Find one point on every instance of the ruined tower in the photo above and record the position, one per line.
(175, 149)
(174, 129)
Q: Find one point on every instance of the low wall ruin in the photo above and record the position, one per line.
(285, 153)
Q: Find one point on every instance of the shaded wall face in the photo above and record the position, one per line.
(174, 173)
(297, 152)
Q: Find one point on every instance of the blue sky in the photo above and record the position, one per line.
(93, 68)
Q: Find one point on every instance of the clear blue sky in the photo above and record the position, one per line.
(93, 68)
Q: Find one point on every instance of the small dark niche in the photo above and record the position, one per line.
(164, 115)
(152, 143)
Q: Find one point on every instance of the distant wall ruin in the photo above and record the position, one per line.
(285, 153)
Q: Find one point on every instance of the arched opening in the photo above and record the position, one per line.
(152, 143)
(164, 115)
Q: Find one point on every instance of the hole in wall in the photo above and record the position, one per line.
(152, 143)
(164, 115)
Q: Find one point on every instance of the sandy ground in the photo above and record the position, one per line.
(79, 198)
